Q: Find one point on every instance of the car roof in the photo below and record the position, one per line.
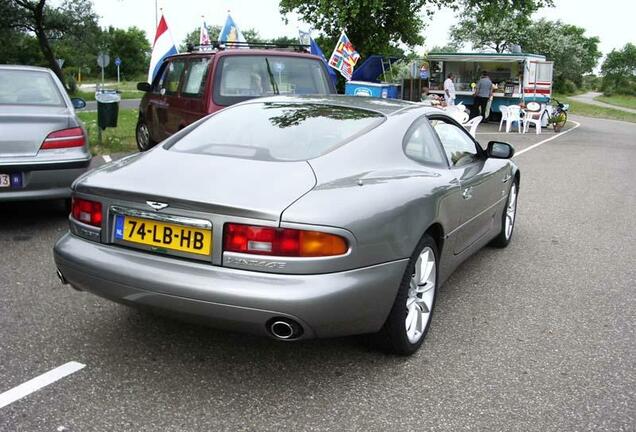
(25, 68)
(381, 105)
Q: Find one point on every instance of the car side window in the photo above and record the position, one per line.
(420, 144)
(172, 77)
(459, 147)
(196, 76)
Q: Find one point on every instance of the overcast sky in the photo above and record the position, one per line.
(613, 21)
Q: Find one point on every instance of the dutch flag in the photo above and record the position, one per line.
(163, 47)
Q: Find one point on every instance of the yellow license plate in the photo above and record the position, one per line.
(163, 235)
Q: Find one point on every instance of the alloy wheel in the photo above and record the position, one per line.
(419, 302)
(511, 210)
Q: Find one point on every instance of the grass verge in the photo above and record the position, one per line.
(619, 100)
(114, 140)
(587, 110)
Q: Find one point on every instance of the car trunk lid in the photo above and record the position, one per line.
(25, 127)
(214, 184)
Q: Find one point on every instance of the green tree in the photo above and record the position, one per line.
(380, 26)
(619, 71)
(131, 46)
(49, 23)
(485, 30)
(574, 54)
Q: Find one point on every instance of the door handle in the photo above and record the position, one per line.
(467, 194)
(506, 178)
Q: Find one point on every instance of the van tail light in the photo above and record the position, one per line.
(260, 240)
(65, 138)
(86, 211)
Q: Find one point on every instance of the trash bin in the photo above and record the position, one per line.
(107, 108)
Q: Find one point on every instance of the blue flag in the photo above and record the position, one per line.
(231, 33)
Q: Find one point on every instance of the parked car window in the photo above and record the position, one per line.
(21, 87)
(420, 144)
(277, 131)
(459, 147)
(172, 76)
(243, 77)
(195, 81)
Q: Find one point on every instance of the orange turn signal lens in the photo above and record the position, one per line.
(315, 244)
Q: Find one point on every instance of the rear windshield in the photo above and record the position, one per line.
(239, 78)
(21, 87)
(277, 131)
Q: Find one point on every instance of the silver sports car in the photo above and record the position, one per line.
(43, 146)
(294, 217)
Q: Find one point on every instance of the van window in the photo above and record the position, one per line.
(195, 82)
(172, 76)
(243, 77)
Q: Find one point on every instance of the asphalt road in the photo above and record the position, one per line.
(588, 98)
(123, 104)
(536, 337)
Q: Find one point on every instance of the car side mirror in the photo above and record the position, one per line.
(143, 86)
(78, 103)
(500, 150)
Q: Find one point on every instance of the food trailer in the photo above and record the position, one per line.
(518, 77)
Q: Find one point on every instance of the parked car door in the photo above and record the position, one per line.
(192, 101)
(480, 187)
(166, 122)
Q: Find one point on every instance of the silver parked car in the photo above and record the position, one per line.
(43, 146)
(295, 218)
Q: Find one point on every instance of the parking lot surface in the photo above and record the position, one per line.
(536, 337)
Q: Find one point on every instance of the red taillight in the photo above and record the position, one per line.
(88, 212)
(281, 241)
(65, 138)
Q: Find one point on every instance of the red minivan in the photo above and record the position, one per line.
(192, 85)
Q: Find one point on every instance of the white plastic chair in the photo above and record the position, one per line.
(513, 115)
(472, 124)
(460, 115)
(504, 115)
(534, 115)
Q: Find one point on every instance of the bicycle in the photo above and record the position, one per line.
(557, 114)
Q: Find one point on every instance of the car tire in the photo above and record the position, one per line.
(508, 218)
(142, 136)
(414, 302)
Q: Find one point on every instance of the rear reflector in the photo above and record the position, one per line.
(260, 240)
(86, 211)
(65, 138)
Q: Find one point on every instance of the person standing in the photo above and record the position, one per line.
(449, 90)
(483, 93)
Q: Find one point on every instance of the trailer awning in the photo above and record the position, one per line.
(484, 57)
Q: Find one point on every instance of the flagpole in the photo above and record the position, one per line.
(156, 16)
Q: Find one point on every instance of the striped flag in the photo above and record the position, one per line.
(162, 47)
(344, 57)
(204, 37)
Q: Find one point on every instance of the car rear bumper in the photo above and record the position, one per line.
(43, 181)
(325, 305)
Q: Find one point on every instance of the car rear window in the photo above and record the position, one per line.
(243, 77)
(277, 131)
(23, 87)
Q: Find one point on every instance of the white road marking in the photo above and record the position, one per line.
(107, 158)
(576, 124)
(39, 382)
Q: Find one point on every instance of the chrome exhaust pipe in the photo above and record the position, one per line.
(285, 329)
(61, 277)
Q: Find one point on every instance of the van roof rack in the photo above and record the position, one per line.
(220, 46)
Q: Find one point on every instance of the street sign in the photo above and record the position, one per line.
(103, 59)
(117, 61)
(60, 62)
